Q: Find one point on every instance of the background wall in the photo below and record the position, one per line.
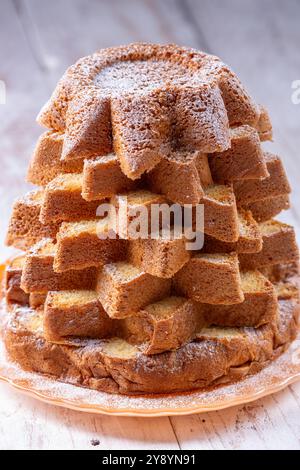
(260, 39)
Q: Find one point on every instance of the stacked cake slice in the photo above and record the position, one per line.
(92, 304)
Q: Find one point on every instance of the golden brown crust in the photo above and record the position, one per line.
(88, 121)
(154, 108)
(140, 146)
(244, 160)
(63, 201)
(45, 162)
(220, 213)
(103, 177)
(274, 185)
(241, 108)
(74, 238)
(74, 314)
(124, 289)
(279, 246)
(258, 308)
(195, 365)
(38, 274)
(163, 326)
(12, 282)
(211, 278)
(268, 208)
(249, 241)
(135, 212)
(179, 178)
(25, 228)
(161, 257)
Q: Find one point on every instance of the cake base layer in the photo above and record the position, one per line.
(114, 366)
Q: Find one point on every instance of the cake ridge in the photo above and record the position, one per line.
(217, 88)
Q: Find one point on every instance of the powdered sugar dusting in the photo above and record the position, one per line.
(143, 76)
(277, 375)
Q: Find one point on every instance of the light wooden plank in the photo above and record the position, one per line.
(269, 423)
(26, 423)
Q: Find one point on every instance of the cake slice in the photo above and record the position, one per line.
(88, 127)
(279, 246)
(162, 255)
(200, 118)
(181, 177)
(37, 299)
(249, 241)
(244, 160)
(46, 161)
(140, 147)
(134, 213)
(164, 325)
(124, 289)
(25, 228)
(268, 208)
(255, 190)
(220, 213)
(87, 243)
(259, 306)
(12, 282)
(38, 274)
(103, 177)
(63, 201)
(211, 278)
(264, 125)
(75, 313)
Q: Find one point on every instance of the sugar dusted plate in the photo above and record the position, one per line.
(282, 372)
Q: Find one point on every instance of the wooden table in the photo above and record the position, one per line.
(260, 39)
